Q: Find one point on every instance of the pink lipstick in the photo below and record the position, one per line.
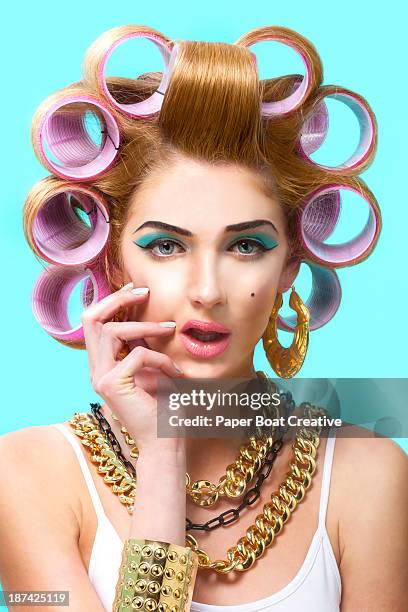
(205, 339)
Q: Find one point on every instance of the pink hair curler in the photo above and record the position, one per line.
(317, 219)
(51, 294)
(368, 131)
(60, 234)
(320, 218)
(315, 129)
(67, 139)
(323, 301)
(294, 100)
(152, 105)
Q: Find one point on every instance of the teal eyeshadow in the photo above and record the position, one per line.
(144, 240)
(266, 239)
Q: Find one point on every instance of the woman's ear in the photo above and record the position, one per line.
(289, 273)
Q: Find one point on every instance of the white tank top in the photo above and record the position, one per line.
(315, 588)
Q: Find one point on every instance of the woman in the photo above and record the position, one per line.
(202, 200)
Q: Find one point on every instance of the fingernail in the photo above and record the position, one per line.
(177, 368)
(128, 286)
(140, 290)
(168, 323)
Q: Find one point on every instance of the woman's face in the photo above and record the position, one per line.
(219, 258)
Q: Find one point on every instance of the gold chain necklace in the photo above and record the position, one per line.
(268, 524)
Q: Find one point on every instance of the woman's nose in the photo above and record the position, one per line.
(206, 286)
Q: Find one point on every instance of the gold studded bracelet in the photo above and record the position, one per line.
(155, 575)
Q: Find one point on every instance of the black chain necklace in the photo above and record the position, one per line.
(112, 439)
(251, 496)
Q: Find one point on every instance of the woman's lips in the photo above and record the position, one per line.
(205, 348)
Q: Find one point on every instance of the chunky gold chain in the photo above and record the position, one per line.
(238, 475)
(268, 524)
(110, 467)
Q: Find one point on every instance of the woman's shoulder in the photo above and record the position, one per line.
(39, 467)
(35, 443)
(363, 460)
(370, 489)
(370, 478)
(359, 449)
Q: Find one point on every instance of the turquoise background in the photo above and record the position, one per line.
(44, 382)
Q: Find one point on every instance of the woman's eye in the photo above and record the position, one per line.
(249, 248)
(165, 247)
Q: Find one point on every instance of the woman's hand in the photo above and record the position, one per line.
(128, 386)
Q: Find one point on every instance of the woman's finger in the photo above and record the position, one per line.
(95, 316)
(104, 310)
(114, 334)
(123, 377)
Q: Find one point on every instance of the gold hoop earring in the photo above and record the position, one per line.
(287, 361)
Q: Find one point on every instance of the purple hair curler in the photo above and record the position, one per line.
(67, 139)
(317, 218)
(294, 100)
(368, 130)
(152, 105)
(60, 234)
(51, 294)
(323, 301)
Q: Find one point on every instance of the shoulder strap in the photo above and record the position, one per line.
(84, 468)
(327, 469)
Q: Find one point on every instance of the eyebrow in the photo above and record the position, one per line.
(236, 227)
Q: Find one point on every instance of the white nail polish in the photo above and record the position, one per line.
(125, 287)
(140, 290)
(168, 323)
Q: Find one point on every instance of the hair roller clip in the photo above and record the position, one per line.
(317, 219)
(62, 133)
(59, 231)
(99, 53)
(87, 292)
(323, 301)
(51, 295)
(320, 219)
(309, 57)
(315, 129)
(365, 150)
